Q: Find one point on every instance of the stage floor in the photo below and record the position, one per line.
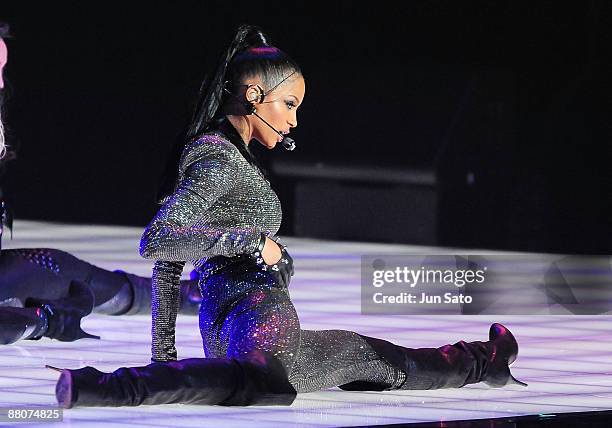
(567, 360)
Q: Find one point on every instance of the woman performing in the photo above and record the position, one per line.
(46, 292)
(222, 214)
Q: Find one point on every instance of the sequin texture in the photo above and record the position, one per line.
(215, 218)
(40, 256)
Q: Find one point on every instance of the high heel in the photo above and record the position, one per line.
(64, 315)
(56, 369)
(503, 351)
(258, 378)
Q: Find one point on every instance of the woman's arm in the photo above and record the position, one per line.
(181, 229)
(165, 301)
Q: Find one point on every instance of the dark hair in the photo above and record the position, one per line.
(248, 55)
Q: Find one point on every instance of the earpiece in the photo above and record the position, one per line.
(258, 99)
(261, 94)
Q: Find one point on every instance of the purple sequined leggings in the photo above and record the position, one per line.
(243, 309)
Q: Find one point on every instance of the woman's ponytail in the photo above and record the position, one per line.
(240, 60)
(208, 104)
(211, 91)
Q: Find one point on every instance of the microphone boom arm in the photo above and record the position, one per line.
(288, 143)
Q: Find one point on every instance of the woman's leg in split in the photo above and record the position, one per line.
(352, 361)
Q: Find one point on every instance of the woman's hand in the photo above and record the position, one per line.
(285, 269)
(271, 252)
(279, 262)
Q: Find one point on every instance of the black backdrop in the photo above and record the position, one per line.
(516, 91)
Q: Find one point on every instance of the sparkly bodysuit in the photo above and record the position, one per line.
(214, 218)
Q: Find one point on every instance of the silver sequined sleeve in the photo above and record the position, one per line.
(199, 220)
(184, 228)
(165, 295)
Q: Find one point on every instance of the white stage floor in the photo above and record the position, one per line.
(567, 360)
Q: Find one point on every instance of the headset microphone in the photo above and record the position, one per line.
(288, 143)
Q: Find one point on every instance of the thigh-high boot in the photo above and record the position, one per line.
(450, 366)
(257, 378)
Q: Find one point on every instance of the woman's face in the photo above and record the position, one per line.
(279, 109)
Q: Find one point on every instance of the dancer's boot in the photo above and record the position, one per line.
(64, 315)
(21, 323)
(256, 379)
(57, 319)
(140, 295)
(450, 366)
(46, 273)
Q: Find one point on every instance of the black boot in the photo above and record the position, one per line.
(140, 295)
(64, 315)
(450, 366)
(502, 350)
(21, 323)
(257, 379)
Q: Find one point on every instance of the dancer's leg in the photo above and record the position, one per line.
(265, 319)
(30, 273)
(46, 273)
(329, 358)
(21, 323)
(355, 362)
(54, 318)
(256, 378)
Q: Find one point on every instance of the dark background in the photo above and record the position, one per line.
(507, 103)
